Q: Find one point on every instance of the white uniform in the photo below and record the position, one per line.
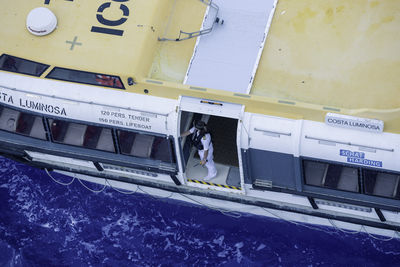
(207, 145)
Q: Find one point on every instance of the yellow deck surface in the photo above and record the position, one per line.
(130, 54)
(172, 58)
(322, 55)
(338, 53)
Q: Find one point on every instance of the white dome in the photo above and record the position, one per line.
(41, 21)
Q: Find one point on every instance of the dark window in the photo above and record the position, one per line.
(382, 184)
(86, 77)
(20, 65)
(23, 123)
(330, 175)
(145, 146)
(77, 134)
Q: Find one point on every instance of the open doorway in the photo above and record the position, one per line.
(223, 132)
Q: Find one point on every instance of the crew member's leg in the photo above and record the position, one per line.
(212, 170)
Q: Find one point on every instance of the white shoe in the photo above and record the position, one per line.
(209, 177)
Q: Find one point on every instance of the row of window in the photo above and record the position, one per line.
(321, 174)
(23, 66)
(87, 136)
(360, 180)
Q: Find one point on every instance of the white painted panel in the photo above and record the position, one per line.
(273, 134)
(322, 141)
(88, 93)
(227, 57)
(391, 216)
(150, 119)
(245, 131)
(210, 107)
(41, 157)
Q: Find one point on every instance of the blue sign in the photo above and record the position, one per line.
(352, 154)
(368, 162)
(359, 158)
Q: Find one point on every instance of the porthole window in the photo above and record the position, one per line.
(330, 175)
(86, 77)
(12, 120)
(145, 146)
(77, 134)
(382, 184)
(20, 65)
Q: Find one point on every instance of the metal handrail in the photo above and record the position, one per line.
(272, 132)
(349, 144)
(188, 35)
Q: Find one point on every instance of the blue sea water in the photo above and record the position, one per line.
(46, 224)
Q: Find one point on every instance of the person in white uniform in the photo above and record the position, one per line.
(201, 139)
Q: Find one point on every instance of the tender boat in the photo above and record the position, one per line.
(302, 99)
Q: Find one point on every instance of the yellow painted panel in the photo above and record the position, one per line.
(333, 52)
(172, 58)
(322, 55)
(130, 54)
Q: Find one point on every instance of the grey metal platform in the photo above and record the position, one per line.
(227, 58)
